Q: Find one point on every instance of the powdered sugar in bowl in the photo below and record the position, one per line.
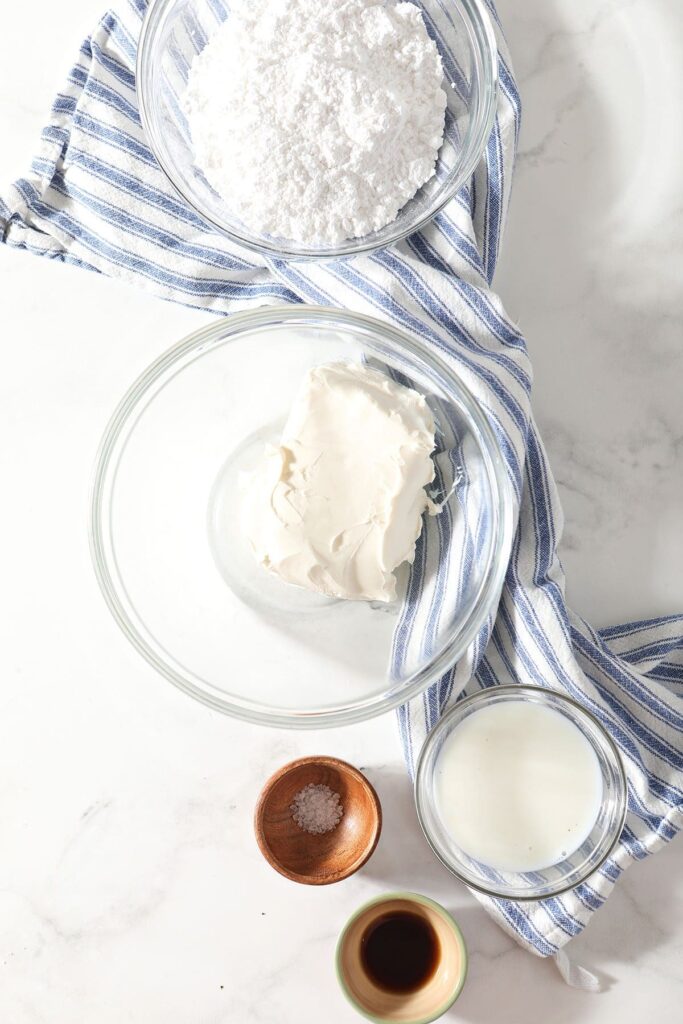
(176, 31)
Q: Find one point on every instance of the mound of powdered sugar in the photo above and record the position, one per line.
(317, 120)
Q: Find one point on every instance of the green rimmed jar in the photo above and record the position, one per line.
(431, 1000)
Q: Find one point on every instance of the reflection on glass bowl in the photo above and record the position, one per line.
(571, 870)
(175, 30)
(191, 597)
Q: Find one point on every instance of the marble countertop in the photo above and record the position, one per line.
(131, 889)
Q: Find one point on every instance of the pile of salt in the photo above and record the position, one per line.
(317, 809)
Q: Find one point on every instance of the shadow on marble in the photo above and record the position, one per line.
(402, 860)
(637, 926)
(641, 916)
(587, 268)
(637, 923)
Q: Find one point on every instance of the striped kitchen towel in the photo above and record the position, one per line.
(95, 197)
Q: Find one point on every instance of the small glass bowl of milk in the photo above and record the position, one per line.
(521, 792)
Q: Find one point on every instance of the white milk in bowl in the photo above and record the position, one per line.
(518, 786)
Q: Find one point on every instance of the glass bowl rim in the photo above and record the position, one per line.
(406, 896)
(222, 331)
(482, 29)
(483, 697)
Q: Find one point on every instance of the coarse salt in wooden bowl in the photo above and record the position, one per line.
(317, 857)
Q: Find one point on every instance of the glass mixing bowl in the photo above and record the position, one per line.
(174, 566)
(525, 885)
(175, 30)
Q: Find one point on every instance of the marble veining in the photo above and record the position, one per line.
(131, 888)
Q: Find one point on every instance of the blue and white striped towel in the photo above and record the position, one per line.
(95, 197)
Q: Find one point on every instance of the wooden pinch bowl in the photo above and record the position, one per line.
(310, 858)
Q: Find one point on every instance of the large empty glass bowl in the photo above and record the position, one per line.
(174, 31)
(176, 570)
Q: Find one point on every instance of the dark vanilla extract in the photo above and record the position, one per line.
(400, 951)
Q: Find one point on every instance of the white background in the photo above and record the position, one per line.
(131, 889)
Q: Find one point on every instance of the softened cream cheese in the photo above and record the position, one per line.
(338, 506)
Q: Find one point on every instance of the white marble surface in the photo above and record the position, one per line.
(130, 886)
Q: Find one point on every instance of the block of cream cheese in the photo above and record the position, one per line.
(338, 505)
